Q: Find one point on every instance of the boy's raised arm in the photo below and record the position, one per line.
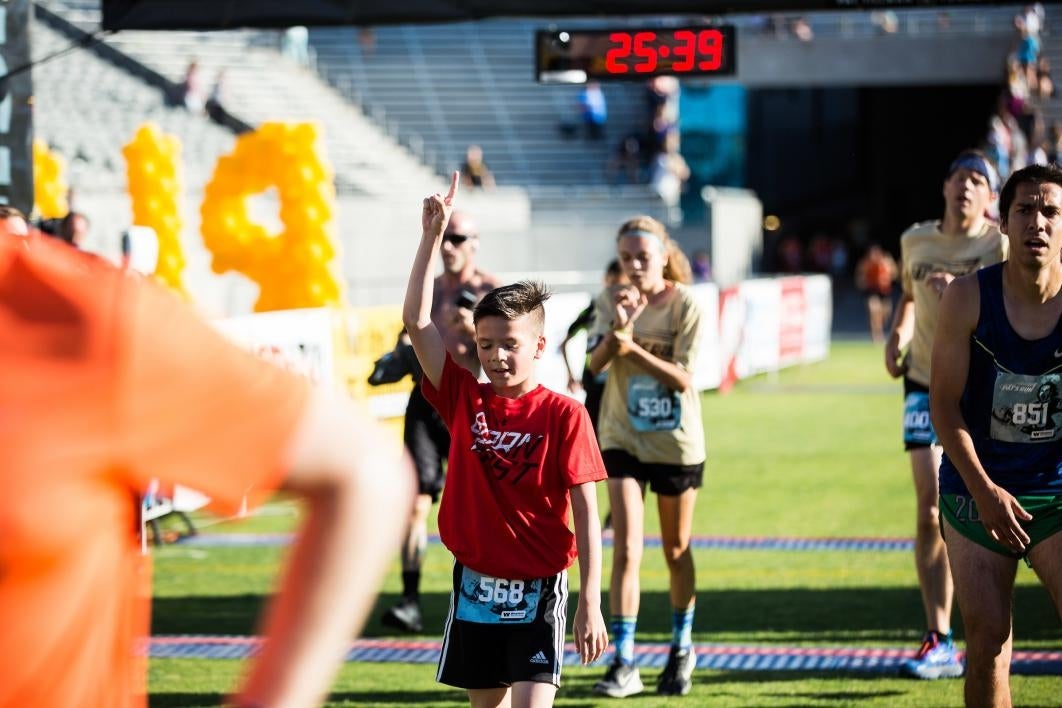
(416, 311)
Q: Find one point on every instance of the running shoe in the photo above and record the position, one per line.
(937, 658)
(405, 616)
(677, 678)
(621, 680)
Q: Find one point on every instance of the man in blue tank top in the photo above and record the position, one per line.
(994, 400)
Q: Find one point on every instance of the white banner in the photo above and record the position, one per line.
(755, 327)
(301, 341)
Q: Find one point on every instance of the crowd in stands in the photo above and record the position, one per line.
(1017, 134)
(474, 171)
(823, 254)
(193, 94)
(651, 155)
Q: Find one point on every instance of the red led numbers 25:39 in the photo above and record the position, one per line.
(702, 50)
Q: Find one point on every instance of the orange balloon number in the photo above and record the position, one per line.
(296, 267)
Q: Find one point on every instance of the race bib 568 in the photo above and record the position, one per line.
(487, 600)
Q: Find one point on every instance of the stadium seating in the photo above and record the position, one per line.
(87, 109)
(465, 83)
(259, 86)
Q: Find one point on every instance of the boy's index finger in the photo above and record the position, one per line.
(454, 179)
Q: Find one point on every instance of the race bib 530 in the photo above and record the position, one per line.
(651, 406)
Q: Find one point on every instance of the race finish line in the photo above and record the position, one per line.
(720, 657)
(762, 543)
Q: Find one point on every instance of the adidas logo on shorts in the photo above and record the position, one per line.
(539, 658)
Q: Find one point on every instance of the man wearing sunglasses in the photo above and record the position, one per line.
(456, 291)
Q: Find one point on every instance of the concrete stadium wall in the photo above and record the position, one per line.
(889, 60)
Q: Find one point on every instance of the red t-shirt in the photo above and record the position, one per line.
(106, 382)
(505, 508)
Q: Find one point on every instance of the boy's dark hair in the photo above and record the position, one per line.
(614, 269)
(1033, 174)
(513, 301)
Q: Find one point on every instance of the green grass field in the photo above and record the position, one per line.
(813, 451)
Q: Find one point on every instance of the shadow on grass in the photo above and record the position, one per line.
(442, 697)
(713, 686)
(184, 700)
(814, 615)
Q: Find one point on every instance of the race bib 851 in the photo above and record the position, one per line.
(1026, 409)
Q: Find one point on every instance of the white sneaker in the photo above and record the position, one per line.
(621, 680)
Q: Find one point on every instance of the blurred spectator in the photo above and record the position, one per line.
(215, 103)
(668, 173)
(659, 130)
(701, 265)
(592, 384)
(74, 229)
(663, 92)
(1017, 88)
(885, 21)
(943, 20)
(1054, 144)
(801, 29)
(1038, 147)
(1045, 85)
(217, 91)
(819, 254)
(192, 93)
(875, 275)
(295, 45)
(474, 171)
(790, 256)
(1033, 16)
(1005, 144)
(1028, 49)
(626, 161)
(838, 260)
(367, 40)
(593, 110)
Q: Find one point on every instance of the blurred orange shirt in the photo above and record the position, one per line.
(106, 382)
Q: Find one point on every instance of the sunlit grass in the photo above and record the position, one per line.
(814, 451)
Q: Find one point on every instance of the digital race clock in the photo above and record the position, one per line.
(577, 56)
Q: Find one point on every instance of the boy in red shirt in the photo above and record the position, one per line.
(521, 457)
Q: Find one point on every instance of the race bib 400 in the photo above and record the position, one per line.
(1026, 409)
(917, 427)
(487, 600)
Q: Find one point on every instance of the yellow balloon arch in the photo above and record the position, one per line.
(153, 167)
(296, 267)
(49, 186)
